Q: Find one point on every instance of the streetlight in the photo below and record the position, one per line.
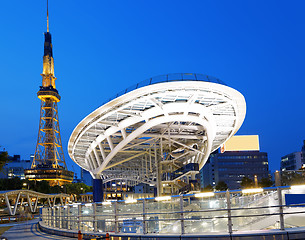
(64, 188)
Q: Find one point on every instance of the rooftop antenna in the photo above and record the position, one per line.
(47, 15)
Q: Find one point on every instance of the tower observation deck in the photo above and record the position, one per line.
(49, 162)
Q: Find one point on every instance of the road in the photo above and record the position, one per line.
(29, 230)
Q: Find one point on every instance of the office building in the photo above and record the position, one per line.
(15, 167)
(239, 157)
(293, 161)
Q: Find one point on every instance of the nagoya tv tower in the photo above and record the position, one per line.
(49, 162)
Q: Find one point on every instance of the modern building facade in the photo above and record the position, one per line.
(232, 166)
(15, 167)
(293, 161)
(160, 132)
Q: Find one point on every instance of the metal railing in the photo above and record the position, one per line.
(168, 78)
(182, 214)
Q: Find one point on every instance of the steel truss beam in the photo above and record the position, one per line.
(167, 123)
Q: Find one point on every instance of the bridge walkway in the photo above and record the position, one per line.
(30, 230)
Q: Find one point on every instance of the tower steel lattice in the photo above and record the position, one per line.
(49, 162)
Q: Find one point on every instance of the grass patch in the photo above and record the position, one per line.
(3, 229)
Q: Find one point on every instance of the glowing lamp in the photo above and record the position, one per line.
(204, 194)
(163, 198)
(252, 190)
(297, 187)
(131, 201)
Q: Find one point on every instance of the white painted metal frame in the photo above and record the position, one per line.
(16, 195)
(156, 129)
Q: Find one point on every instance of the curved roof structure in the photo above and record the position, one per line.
(175, 120)
(16, 196)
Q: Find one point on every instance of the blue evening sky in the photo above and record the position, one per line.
(102, 47)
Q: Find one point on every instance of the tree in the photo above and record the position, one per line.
(221, 186)
(3, 159)
(265, 182)
(10, 184)
(40, 186)
(208, 188)
(246, 182)
(56, 189)
(77, 188)
(292, 177)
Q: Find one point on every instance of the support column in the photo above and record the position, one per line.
(53, 217)
(7, 201)
(116, 223)
(60, 217)
(48, 216)
(98, 191)
(157, 163)
(68, 217)
(79, 213)
(182, 215)
(94, 217)
(281, 211)
(255, 181)
(35, 204)
(144, 217)
(30, 202)
(230, 224)
(277, 177)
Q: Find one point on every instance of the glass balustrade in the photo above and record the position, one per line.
(219, 212)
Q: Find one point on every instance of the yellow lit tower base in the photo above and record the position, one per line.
(49, 162)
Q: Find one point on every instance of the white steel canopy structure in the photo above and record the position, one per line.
(18, 197)
(151, 133)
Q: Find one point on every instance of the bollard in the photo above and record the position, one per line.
(80, 235)
(107, 236)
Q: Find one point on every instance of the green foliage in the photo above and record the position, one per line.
(3, 159)
(208, 188)
(43, 186)
(10, 184)
(77, 188)
(221, 186)
(73, 188)
(292, 178)
(40, 186)
(56, 189)
(265, 182)
(246, 182)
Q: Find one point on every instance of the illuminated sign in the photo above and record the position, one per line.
(241, 143)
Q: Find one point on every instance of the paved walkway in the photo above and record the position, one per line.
(29, 231)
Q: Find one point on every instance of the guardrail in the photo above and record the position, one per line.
(173, 77)
(222, 212)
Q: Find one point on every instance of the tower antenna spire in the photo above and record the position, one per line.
(47, 15)
(49, 161)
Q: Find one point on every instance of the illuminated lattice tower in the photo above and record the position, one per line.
(49, 162)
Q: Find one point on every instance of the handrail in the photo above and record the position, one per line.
(153, 218)
(173, 77)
